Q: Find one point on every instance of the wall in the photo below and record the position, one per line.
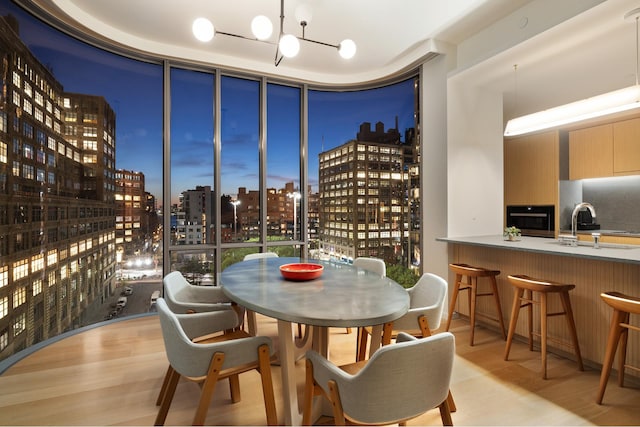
(475, 157)
(433, 107)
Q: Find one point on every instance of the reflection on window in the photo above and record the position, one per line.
(240, 198)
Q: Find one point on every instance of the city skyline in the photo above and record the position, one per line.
(134, 91)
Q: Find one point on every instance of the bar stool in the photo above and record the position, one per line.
(525, 288)
(623, 305)
(472, 274)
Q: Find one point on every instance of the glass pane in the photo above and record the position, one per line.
(81, 130)
(361, 146)
(234, 255)
(192, 158)
(240, 198)
(284, 196)
(198, 267)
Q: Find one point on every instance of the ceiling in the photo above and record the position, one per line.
(390, 36)
(560, 57)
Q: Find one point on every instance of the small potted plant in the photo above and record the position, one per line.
(512, 233)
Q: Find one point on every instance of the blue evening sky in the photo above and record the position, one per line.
(133, 89)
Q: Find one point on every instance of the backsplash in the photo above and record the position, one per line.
(616, 201)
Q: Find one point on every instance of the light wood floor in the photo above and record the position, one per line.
(111, 375)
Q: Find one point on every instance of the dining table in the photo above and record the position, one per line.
(342, 296)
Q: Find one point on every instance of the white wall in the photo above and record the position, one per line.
(433, 110)
(474, 159)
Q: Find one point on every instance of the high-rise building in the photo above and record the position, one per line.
(363, 200)
(57, 235)
(131, 211)
(195, 217)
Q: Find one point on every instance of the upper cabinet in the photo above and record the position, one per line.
(531, 169)
(610, 149)
(591, 152)
(626, 147)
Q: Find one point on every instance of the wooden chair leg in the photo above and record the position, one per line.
(363, 339)
(309, 387)
(515, 311)
(445, 413)
(264, 366)
(208, 387)
(615, 330)
(336, 404)
(424, 326)
(172, 383)
(163, 388)
(387, 332)
(234, 388)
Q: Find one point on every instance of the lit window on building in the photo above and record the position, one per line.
(19, 324)
(4, 307)
(36, 287)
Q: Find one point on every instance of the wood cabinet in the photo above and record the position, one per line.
(591, 152)
(626, 147)
(531, 169)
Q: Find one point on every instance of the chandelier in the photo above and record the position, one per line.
(287, 45)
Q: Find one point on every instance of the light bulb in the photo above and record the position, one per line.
(347, 48)
(261, 27)
(289, 45)
(203, 29)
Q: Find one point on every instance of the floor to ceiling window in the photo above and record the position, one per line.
(363, 147)
(192, 175)
(83, 182)
(80, 178)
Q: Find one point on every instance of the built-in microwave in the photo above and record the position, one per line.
(538, 221)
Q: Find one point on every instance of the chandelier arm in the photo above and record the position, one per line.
(245, 38)
(322, 43)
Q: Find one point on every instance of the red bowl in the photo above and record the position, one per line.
(301, 271)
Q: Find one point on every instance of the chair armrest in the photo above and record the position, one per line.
(404, 337)
(199, 324)
(324, 370)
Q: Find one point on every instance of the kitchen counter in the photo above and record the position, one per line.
(613, 267)
(606, 252)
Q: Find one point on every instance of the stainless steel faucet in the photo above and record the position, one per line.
(574, 215)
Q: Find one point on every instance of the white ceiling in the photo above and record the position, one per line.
(391, 36)
(591, 53)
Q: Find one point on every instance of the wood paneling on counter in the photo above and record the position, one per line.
(591, 277)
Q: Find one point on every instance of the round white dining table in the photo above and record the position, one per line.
(343, 296)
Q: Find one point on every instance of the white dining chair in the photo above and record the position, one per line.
(375, 265)
(197, 355)
(260, 255)
(183, 297)
(399, 382)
